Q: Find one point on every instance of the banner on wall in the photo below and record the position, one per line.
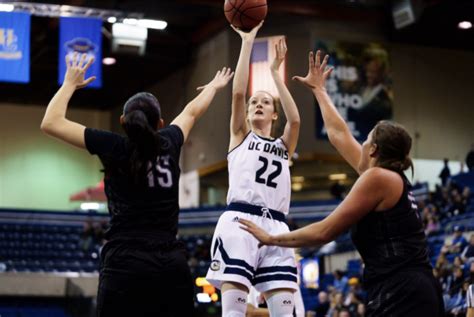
(263, 54)
(81, 35)
(360, 85)
(15, 47)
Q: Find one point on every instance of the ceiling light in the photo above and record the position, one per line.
(7, 7)
(152, 24)
(129, 31)
(465, 25)
(109, 60)
(111, 19)
(337, 177)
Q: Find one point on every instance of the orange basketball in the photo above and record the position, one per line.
(245, 14)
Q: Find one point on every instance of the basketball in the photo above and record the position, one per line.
(245, 14)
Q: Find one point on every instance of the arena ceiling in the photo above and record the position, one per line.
(193, 21)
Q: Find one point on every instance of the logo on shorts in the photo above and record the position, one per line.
(236, 219)
(287, 302)
(241, 300)
(215, 265)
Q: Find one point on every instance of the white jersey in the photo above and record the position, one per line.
(259, 173)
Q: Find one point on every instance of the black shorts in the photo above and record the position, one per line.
(407, 294)
(144, 280)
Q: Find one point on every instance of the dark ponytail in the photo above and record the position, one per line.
(141, 116)
(393, 146)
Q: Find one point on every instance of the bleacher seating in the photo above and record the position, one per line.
(27, 247)
(32, 312)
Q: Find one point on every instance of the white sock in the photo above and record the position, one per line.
(234, 303)
(281, 304)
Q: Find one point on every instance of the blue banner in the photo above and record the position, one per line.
(360, 85)
(82, 35)
(15, 47)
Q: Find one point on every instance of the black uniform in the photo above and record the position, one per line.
(144, 270)
(397, 275)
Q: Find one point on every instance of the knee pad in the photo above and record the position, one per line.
(281, 304)
(234, 303)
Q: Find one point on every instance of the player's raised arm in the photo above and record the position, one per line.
(238, 123)
(338, 132)
(199, 105)
(292, 127)
(54, 121)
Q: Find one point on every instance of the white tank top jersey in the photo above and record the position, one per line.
(259, 173)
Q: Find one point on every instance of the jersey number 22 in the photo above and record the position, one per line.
(269, 181)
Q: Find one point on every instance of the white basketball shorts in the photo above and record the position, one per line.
(236, 256)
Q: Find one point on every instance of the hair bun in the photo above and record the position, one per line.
(407, 163)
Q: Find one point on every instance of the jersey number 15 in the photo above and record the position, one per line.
(160, 173)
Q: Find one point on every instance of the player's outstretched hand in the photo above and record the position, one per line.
(280, 54)
(248, 35)
(76, 70)
(221, 79)
(317, 71)
(261, 235)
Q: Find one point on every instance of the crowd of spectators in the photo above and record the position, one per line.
(445, 202)
(344, 297)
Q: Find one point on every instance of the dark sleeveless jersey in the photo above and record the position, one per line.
(149, 210)
(392, 240)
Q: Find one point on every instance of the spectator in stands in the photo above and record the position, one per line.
(356, 288)
(360, 310)
(379, 209)
(443, 201)
(459, 242)
(457, 303)
(445, 173)
(470, 301)
(457, 204)
(458, 262)
(340, 281)
(445, 279)
(344, 313)
(467, 254)
(337, 304)
(143, 267)
(466, 196)
(470, 159)
(322, 306)
(351, 302)
(457, 281)
(432, 225)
